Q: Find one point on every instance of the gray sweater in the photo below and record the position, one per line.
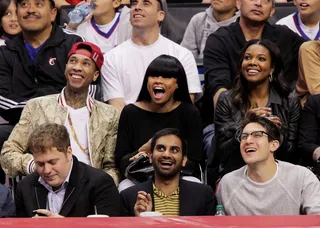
(293, 190)
(200, 27)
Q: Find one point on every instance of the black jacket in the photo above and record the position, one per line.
(21, 80)
(222, 52)
(87, 187)
(195, 199)
(309, 132)
(228, 120)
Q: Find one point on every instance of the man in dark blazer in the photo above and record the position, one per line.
(167, 193)
(62, 186)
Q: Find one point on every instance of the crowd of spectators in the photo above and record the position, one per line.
(85, 103)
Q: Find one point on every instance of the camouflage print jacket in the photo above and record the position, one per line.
(103, 125)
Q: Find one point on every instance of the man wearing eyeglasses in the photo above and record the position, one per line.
(266, 186)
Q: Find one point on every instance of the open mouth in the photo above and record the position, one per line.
(304, 5)
(166, 164)
(76, 76)
(250, 150)
(138, 16)
(158, 92)
(252, 71)
(14, 26)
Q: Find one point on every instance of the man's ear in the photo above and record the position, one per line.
(238, 4)
(69, 152)
(95, 76)
(116, 4)
(184, 160)
(274, 145)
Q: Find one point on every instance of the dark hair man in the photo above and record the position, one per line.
(167, 192)
(266, 186)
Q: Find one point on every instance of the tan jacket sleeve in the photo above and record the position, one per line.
(14, 157)
(108, 162)
(309, 66)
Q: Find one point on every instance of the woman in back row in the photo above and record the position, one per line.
(261, 88)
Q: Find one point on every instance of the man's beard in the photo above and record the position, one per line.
(167, 175)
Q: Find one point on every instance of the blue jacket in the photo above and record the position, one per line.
(7, 208)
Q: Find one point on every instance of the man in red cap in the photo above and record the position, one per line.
(92, 125)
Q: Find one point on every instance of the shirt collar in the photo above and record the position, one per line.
(160, 194)
(274, 97)
(63, 186)
(62, 100)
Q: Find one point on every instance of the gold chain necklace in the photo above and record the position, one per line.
(84, 150)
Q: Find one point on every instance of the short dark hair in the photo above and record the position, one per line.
(165, 132)
(271, 129)
(168, 67)
(47, 136)
(52, 3)
(4, 4)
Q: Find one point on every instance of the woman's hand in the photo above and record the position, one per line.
(144, 150)
(276, 120)
(261, 111)
(142, 153)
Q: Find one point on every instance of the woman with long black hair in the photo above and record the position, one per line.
(260, 88)
(163, 102)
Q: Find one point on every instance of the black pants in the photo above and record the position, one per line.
(5, 131)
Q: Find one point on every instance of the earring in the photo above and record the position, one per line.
(270, 77)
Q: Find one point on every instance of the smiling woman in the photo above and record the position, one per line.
(163, 102)
(260, 88)
(9, 24)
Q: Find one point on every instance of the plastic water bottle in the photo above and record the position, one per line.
(220, 211)
(79, 13)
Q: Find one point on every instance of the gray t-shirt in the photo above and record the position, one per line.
(293, 190)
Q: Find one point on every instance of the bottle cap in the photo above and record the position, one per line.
(219, 207)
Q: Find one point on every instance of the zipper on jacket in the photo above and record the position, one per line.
(35, 190)
(64, 202)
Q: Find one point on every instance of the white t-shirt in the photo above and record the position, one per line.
(125, 66)
(289, 22)
(80, 118)
(104, 36)
(2, 42)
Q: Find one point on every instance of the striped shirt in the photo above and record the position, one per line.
(167, 205)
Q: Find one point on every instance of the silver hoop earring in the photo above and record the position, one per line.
(270, 77)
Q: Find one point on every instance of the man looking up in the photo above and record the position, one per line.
(32, 64)
(92, 124)
(168, 193)
(266, 186)
(124, 67)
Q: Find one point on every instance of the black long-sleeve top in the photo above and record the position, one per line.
(137, 126)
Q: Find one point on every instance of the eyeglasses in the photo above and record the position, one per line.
(255, 135)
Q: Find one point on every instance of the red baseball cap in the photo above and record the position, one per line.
(95, 52)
